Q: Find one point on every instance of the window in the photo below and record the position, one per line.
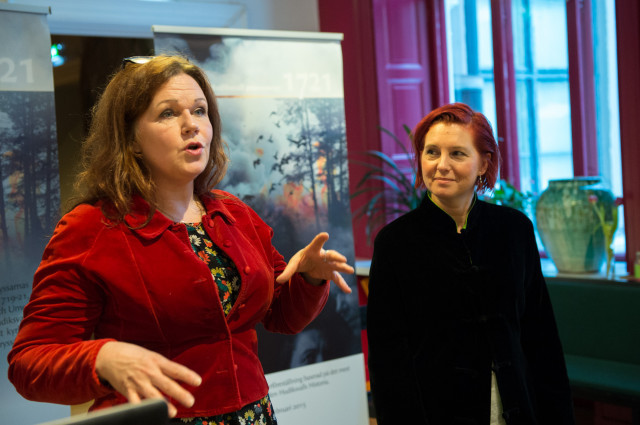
(542, 92)
(470, 53)
(545, 146)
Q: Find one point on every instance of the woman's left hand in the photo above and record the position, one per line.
(317, 264)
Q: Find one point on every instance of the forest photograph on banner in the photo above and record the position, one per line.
(30, 189)
(282, 107)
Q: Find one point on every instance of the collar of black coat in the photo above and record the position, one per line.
(444, 221)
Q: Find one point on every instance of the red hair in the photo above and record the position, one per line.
(483, 140)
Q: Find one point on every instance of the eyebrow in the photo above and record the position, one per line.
(431, 145)
(198, 99)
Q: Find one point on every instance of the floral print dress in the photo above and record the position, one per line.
(227, 279)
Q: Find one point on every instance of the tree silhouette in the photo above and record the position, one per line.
(317, 133)
(7, 133)
(30, 163)
(332, 145)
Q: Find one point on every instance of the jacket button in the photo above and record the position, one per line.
(227, 243)
(510, 413)
(500, 365)
(247, 270)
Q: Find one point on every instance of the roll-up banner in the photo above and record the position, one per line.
(30, 190)
(281, 100)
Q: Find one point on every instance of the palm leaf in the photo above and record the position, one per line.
(393, 192)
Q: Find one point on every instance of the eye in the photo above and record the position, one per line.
(459, 153)
(200, 112)
(430, 152)
(167, 113)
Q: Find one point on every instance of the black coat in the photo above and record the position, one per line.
(445, 306)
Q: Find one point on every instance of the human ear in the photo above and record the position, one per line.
(486, 158)
(136, 149)
(135, 146)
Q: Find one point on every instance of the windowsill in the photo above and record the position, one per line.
(362, 267)
(548, 270)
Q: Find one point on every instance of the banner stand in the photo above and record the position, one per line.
(30, 186)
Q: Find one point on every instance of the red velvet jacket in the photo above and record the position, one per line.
(146, 286)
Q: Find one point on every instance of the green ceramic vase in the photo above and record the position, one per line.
(569, 226)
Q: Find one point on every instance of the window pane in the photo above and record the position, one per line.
(555, 158)
(545, 145)
(470, 53)
(607, 114)
(542, 92)
(549, 31)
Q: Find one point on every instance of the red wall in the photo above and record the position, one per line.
(354, 20)
(394, 73)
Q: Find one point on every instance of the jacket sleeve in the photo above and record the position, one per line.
(393, 382)
(542, 346)
(53, 356)
(295, 303)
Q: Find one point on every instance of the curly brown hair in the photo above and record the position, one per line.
(111, 169)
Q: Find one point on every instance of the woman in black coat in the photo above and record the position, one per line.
(460, 325)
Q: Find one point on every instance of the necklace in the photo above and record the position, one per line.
(196, 207)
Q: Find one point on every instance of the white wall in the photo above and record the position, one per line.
(134, 18)
(290, 15)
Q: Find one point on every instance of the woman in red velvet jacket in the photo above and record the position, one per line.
(153, 284)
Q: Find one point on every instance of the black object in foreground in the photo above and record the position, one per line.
(148, 412)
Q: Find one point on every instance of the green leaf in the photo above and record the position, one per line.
(394, 192)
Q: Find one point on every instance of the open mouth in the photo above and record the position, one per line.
(194, 146)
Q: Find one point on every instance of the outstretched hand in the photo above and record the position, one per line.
(138, 373)
(317, 264)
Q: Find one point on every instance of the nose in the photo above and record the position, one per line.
(443, 163)
(188, 124)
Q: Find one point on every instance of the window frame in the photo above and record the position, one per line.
(582, 100)
(628, 49)
(437, 90)
(582, 95)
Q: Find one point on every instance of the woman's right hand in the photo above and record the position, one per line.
(138, 373)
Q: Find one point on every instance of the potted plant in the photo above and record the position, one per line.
(393, 194)
(504, 193)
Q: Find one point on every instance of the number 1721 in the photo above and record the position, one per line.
(9, 72)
